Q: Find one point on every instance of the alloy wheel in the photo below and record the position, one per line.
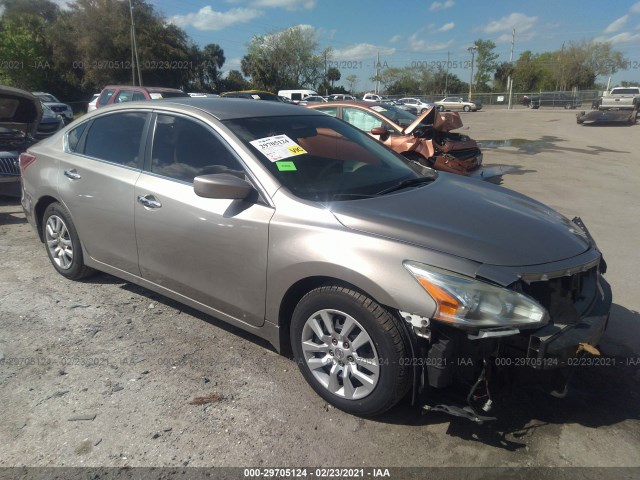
(59, 242)
(340, 354)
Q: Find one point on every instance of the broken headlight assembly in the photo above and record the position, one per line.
(468, 303)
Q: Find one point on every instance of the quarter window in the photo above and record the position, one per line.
(184, 149)
(116, 138)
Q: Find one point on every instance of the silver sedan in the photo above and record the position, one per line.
(375, 272)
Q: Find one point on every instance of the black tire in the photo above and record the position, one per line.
(423, 110)
(466, 108)
(387, 345)
(440, 108)
(58, 227)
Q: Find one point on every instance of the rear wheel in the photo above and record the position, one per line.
(350, 349)
(62, 243)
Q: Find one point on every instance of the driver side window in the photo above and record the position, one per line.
(184, 149)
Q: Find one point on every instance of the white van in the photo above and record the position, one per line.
(296, 95)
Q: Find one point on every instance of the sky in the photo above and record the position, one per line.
(420, 31)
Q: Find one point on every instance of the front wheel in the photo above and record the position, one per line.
(440, 108)
(351, 350)
(466, 108)
(62, 242)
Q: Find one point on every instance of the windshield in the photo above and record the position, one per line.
(46, 97)
(320, 158)
(399, 116)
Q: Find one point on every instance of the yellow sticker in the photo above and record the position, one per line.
(297, 150)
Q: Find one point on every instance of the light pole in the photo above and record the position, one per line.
(472, 50)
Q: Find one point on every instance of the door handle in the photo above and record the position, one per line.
(149, 201)
(72, 174)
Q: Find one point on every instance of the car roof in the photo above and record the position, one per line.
(148, 89)
(220, 108)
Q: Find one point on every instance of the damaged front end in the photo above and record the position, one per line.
(536, 333)
(442, 149)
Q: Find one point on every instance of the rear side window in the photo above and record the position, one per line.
(104, 97)
(74, 136)
(361, 119)
(116, 138)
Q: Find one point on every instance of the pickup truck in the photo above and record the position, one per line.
(621, 98)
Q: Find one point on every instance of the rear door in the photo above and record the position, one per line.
(96, 180)
(213, 251)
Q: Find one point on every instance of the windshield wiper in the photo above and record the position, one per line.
(412, 182)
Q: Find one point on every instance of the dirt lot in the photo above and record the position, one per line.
(104, 373)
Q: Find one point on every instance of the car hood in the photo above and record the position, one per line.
(469, 219)
(441, 121)
(19, 110)
(56, 105)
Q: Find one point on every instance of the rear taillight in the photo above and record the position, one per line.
(25, 160)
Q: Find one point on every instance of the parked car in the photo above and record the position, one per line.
(313, 99)
(296, 95)
(553, 99)
(308, 233)
(426, 139)
(50, 123)
(620, 98)
(340, 96)
(20, 114)
(372, 97)
(409, 108)
(91, 104)
(56, 105)
(419, 105)
(126, 93)
(457, 103)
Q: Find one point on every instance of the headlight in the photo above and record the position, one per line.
(465, 302)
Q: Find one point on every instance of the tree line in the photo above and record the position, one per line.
(77, 50)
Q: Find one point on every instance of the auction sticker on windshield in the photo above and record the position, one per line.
(278, 147)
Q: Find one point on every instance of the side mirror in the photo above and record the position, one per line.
(221, 185)
(379, 131)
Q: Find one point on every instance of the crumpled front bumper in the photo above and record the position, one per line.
(556, 345)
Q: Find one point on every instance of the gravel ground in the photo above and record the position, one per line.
(104, 373)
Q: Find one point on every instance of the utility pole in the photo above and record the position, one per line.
(446, 77)
(134, 50)
(377, 89)
(472, 49)
(510, 80)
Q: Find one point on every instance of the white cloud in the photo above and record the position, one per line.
(395, 39)
(624, 37)
(523, 24)
(208, 19)
(446, 27)
(416, 45)
(361, 51)
(286, 4)
(635, 8)
(442, 5)
(617, 25)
